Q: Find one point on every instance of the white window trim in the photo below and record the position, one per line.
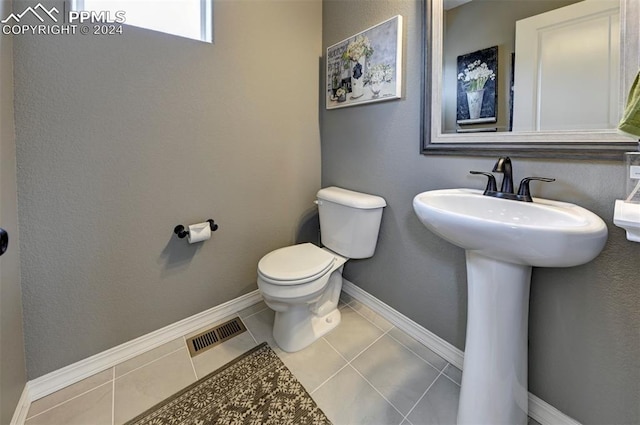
(206, 19)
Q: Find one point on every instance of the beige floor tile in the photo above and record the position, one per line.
(261, 327)
(353, 334)
(93, 407)
(251, 310)
(69, 392)
(149, 356)
(454, 373)
(395, 364)
(398, 374)
(144, 387)
(345, 298)
(371, 315)
(348, 399)
(418, 348)
(439, 406)
(212, 359)
(313, 365)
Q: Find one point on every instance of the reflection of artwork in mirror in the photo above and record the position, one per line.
(569, 75)
(366, 67)
(477, 87)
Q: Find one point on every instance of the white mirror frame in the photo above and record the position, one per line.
(591, 144)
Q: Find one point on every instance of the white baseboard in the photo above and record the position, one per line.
(56, 380)
(546, 414)
(441, 347)
(20, 414)
(40, 387)
(539, 410)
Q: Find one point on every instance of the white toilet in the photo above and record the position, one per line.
(302, 283)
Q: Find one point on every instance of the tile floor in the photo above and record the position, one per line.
(366, 371)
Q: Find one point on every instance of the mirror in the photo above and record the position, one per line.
(488, 90)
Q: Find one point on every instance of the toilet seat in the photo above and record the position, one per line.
(295, 265)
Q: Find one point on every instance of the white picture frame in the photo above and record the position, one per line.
(366, 67)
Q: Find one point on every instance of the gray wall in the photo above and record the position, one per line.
(584, 340)
(122, 137)
(12, 364)
(477, 25)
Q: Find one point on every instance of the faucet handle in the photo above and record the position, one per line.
(524, 193)
(491, 183)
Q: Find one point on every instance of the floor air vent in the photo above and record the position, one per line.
(214, 336)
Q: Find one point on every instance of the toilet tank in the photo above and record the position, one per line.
(349, 221)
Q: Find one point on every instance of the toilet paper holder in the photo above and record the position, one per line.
(182, 232)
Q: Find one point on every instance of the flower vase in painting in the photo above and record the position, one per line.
(474, 77)
(376, 76)
(356, 56)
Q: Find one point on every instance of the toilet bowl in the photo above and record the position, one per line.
(302, 283)
(304, 296)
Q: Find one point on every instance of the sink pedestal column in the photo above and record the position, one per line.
(494, 380)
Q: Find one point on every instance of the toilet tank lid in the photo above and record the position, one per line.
(350, 198)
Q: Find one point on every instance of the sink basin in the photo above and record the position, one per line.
(503, 239)
(542, 233)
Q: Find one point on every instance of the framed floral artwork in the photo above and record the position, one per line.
(366, 67)
(477, 79)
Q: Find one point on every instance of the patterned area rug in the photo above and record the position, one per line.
(254, 389)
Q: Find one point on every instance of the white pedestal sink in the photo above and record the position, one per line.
(503, 239)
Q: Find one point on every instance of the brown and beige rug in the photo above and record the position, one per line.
(254, 389)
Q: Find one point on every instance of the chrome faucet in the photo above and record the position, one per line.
(503, 165)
